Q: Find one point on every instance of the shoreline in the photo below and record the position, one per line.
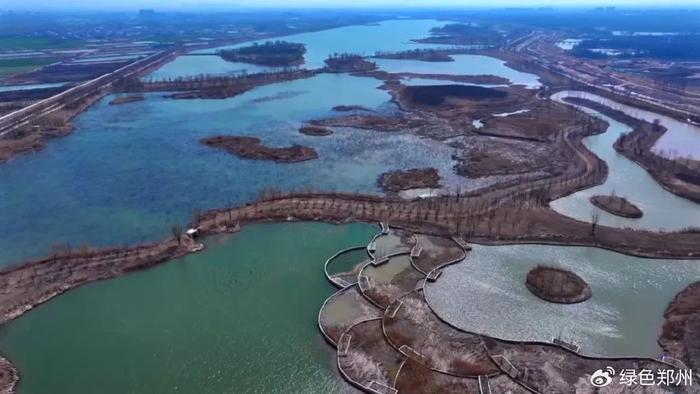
(637, 147)
(623, 209)
(23, 293)
(415, 332)
(88, 265)
(486, 214)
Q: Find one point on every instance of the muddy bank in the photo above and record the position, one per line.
(315, 130)
(619, 206)
(33, 136)
(416, 178)
(680, 335)
(127, 99)
(557, 285)
(252, 148)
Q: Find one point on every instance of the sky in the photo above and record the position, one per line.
(236, 4)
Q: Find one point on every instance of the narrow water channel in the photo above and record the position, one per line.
(662, 209)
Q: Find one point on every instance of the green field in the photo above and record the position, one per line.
(35, 43)
(15, 66)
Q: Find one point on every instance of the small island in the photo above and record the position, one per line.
(270, 53)
(127, 99)
(416, 178)
(349, 108)
(252, 148)
(424, 55)
(557, 285)
(315, 130)
(348, 62)
(619, 206)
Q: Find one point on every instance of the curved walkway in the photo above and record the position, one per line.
(412, 350)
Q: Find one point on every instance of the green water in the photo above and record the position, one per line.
(347, 261)
(237, 317)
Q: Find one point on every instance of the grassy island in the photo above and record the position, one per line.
(315, 130)
(270, 53)
(424, 55)
(348, 62)
(557, 285)
(349, 108)
(619, 206)
(252, 148)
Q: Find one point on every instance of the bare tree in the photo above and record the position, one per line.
(176, 231)
(595, 217)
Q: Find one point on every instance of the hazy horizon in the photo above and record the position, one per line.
(41, 5)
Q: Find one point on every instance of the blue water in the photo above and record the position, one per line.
(462, 65)
(362, 39)
(130, 171)
(185, 66)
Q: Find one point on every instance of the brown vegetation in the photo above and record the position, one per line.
(252, 148)
(271, 53)
(432, 342)
(8, 377)
(369, 358)
(372, 122)
(425, 55)
(677, 175)
(464, 34)
(416, 178)
(438, 94)
(680, 335)
(548, 368)
(616, 205)
(557, 285)
(349, 108)
(348, 63)
(491, 157)
(33, 135)
(315, 130)
(542, 122)
(216, 87)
